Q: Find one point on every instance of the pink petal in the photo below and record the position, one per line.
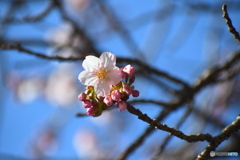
(91, 63)
(103, 88)
(108, 60)
(87, 78)
(114, 76)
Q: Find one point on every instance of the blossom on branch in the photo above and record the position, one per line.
(106, 84)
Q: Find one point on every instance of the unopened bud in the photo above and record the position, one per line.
(122, 105)
(108, 100)
(135, 93)
(82, 96)
(86, 104)
(127, 89)
(115, 95)
(91, 111)
(129, 69)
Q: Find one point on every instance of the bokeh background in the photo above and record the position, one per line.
(38, 102)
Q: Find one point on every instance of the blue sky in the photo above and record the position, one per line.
(23, 120)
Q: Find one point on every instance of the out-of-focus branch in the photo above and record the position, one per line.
(152, 70)
(33, 18)
(77, 29)
(115, 22)
(229, 23)
(217, 140)
(211, 76)
(19, 48)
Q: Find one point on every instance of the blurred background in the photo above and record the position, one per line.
(38, 102)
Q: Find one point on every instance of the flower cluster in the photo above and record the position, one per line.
(106, 84)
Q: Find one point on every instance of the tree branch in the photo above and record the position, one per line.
(217, 140)
(170, 130)
(229, 23)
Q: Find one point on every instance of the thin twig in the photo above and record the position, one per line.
(229, 23)
(217, 140)
(139, 141)
(169, 137)
(170, 130)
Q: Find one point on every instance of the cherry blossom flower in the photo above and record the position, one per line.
(101, 73)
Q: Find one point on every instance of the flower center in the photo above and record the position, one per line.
(101, 74)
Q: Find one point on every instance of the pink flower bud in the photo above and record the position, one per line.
(123, 73)
(100, 98)
(122, 105)
(135, 93)
(91, 111)
(127, 89)
(129, 69)
(108, 100)
(82, 96)
(86, 104)
(115, 95)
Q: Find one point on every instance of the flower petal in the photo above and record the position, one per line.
(102, 89)
(114, 76)
(108, 60)
(87, 78)
(91, 63)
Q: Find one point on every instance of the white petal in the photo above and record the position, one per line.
(114, 76)
(108, 60)
(87, 78)
(102, 89)
(91, 63)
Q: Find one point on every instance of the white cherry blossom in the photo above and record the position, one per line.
(101, 73)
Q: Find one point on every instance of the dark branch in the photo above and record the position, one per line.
(170, 130)
(229, 22)
(217, 140)
(169, 137)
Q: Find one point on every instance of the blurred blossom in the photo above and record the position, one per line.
(45, 143)
(64, 41)
(79, 5)
(13, 80)
(29, 90)
(222, 93)
(85, 143)
(61, 87)
(25, 89)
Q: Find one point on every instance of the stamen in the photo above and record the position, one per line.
(101, 74)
